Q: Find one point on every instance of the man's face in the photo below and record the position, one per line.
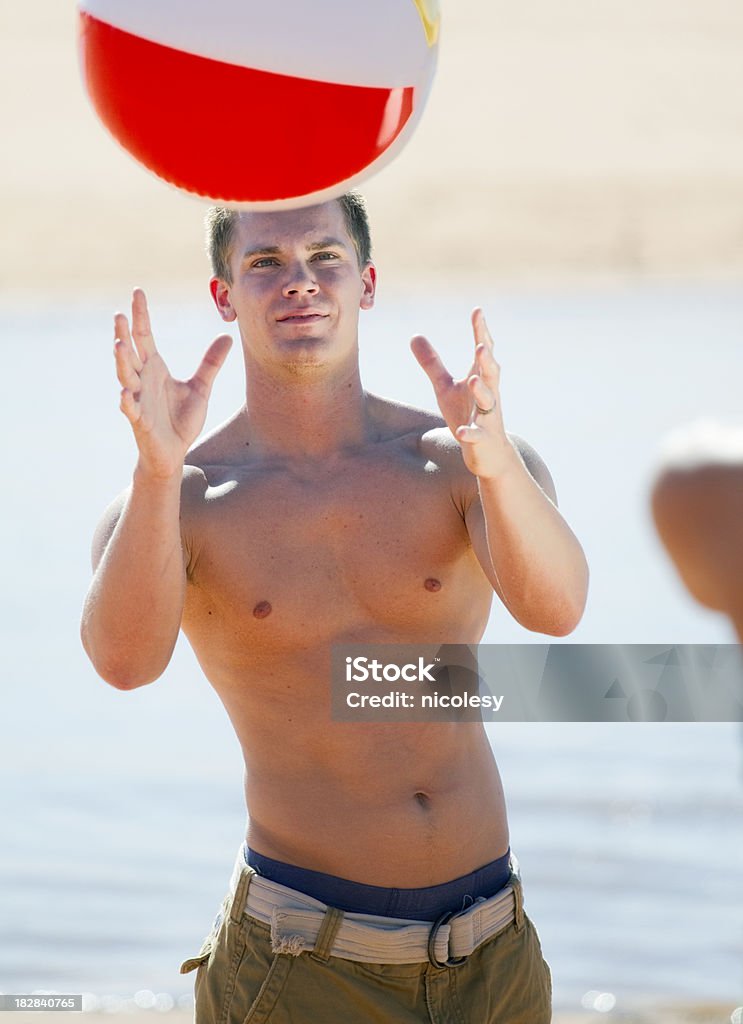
(296, 288)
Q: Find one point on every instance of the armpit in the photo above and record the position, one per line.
(442, 449)
(193, 492)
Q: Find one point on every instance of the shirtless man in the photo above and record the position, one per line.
(322, 514)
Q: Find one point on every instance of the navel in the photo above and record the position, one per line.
(432, 584)
(262, 610)
(422, 799)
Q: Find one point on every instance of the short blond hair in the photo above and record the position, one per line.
(220, 228)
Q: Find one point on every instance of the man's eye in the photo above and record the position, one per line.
(326, 256)
(265, 261)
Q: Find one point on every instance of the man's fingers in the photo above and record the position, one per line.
(121, 329)
(130, 406)
(141, 329)
(486, 365)
(128, 376)
(211, 364)
(123, 334)
(469, 434)
(483, 396)
(480, 327)
(430, 361)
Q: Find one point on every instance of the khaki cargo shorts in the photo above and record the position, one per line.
(242, 979)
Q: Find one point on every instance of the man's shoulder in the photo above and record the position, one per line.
(194, 483)
(442, 447)
(220, 450)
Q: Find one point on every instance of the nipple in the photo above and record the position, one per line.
(262, 610)
(432, 584)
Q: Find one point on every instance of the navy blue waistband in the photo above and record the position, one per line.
(426, 904)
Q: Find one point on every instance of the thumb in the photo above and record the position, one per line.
(430, 361)
(211, 364)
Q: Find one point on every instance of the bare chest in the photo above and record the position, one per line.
(376, 548)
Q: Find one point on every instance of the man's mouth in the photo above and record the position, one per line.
(303, 317)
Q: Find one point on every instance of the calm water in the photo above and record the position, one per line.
(120, 813)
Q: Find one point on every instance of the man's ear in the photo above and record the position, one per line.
(369, 279)
(221, 294)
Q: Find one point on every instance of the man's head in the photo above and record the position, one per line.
(294, 280)
(220, 229)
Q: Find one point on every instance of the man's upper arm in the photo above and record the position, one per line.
(104, 531)
(536, 466)
(192, 488)
(474, 517)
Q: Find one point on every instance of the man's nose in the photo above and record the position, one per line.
(300, 281)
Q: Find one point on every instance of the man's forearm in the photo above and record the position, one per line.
(536, 558)
(134, 605)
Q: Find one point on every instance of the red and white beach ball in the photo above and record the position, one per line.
(260, 103)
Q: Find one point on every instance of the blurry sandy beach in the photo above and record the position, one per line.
(700, 1014)
(561, 142)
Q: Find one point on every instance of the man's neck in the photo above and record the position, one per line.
(309, 416)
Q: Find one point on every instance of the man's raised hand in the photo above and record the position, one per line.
(166, 414)
(471, 405)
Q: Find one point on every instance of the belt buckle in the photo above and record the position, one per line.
(453, 961)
